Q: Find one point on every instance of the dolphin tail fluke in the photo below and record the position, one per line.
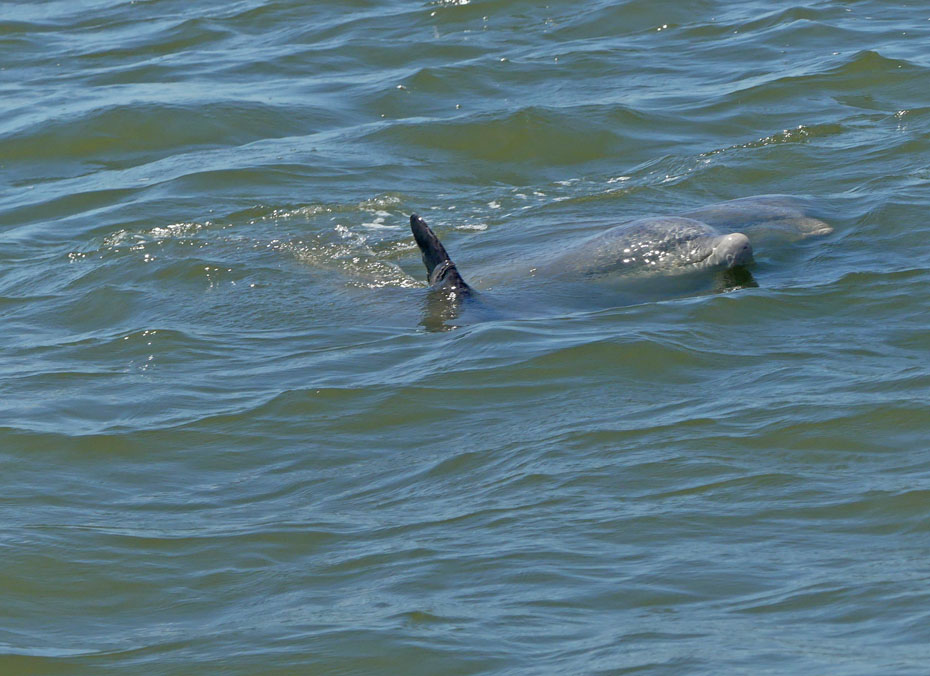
(441, 271)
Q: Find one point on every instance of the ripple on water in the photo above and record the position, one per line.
(230, 444)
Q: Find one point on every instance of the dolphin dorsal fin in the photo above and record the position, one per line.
(440, 270)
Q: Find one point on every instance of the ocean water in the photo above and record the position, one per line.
(236, 437)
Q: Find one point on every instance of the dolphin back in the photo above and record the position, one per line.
(663, 245)
(791, 217)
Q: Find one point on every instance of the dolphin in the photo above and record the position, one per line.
(715, 238)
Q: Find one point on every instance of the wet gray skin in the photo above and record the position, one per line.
(714, 239)
(765, 217)
(653, 246)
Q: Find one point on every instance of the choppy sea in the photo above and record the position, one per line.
(235, 438)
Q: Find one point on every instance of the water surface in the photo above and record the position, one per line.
(231, 443)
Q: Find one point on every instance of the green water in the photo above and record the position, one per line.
(236, 438)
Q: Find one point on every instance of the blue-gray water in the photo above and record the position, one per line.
(232, 442)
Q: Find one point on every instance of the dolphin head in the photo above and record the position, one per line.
(729, 251)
